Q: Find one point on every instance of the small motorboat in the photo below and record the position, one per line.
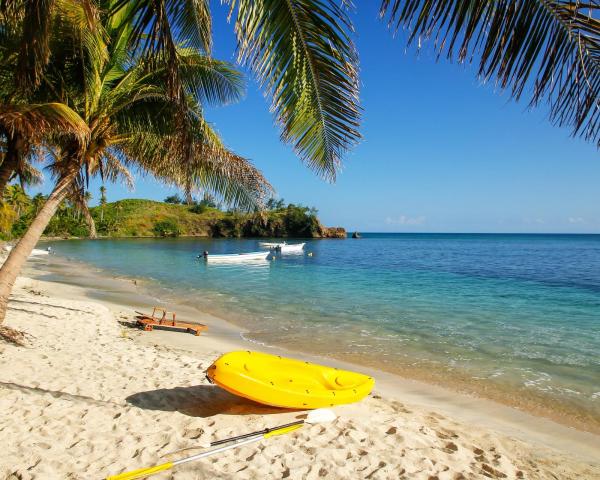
(271, 245)
(236, 257)
(293, 248)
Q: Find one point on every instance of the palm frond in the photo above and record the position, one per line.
(211, 81)
(550, 47)
(36, 120)
(159, 26)
(81, 42)
(198, 160)
(217, 169)
(158, 23)
(29, 175)
(113, 170)
(303, 55)
(34, 51)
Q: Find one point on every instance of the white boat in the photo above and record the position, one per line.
(271, 244)
(36, 252)
(293, 248)
(237, 257)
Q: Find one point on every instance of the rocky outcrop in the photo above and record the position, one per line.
(333, 232)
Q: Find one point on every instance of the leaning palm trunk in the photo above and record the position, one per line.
(18, 255)
(89, 220)
(6, 170)
(11, 160)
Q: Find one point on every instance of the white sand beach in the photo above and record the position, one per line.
(91, 396)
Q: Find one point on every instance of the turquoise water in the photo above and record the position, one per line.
(490, 313)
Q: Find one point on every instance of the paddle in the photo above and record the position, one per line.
(321, 415)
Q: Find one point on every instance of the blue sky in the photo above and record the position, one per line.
(440, 153)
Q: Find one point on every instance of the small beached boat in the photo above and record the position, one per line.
(237, 257)
(294, 248)
(285, 382)
(36, 252)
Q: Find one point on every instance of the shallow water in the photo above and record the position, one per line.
(515, 317)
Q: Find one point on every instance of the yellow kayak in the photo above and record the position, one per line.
(285, 382)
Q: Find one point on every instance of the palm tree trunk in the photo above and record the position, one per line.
(18, 255)
(89, 220)
(11, 160)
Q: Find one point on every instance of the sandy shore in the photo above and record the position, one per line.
(92, 396)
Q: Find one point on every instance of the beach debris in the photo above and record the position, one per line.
(148, 322)
(314, 417)
(16, 337)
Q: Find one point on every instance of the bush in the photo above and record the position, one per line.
(301, 221)
(230, 226)
(199, 208)
(166, 228)
(174, 199)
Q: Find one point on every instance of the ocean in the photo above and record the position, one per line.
(515, 318)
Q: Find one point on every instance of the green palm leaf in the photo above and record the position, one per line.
(550, 46)
(197, 160)
(160, 26)
(302, 53)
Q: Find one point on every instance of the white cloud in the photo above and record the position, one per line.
(405, 220)
(576, 220)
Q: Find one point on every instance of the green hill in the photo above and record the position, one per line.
(147, 218)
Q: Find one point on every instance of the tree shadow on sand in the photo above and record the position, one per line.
(199, 401)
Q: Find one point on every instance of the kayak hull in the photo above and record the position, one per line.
(287, 383)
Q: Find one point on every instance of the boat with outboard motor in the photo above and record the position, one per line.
(235, 257)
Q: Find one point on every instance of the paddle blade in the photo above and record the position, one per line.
(320, 415)
(282, 431)
(141, 473)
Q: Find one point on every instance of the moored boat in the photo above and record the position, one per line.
(293, 248)
(271, 245)
(237, 257)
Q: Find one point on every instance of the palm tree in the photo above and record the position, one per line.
(102, 202)
(25, 121)
(17, 198)
(79, 199)
(300, 50)
(134, 120)
(37, 203)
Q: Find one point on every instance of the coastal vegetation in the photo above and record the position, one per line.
(148, 218)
